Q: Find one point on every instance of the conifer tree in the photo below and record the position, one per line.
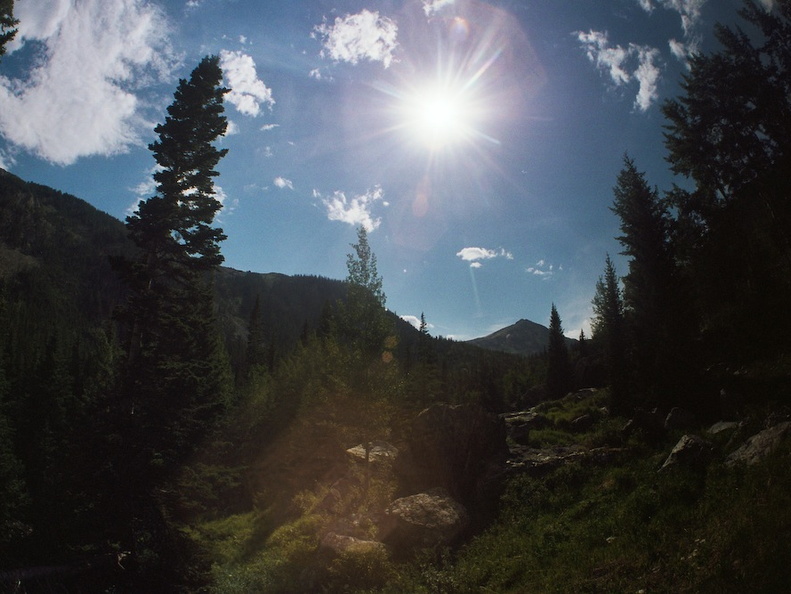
(730, 133)
(609, 332)
(365, 322)
(177, 372)
(649, 284)
(7, 24)
(558, 364)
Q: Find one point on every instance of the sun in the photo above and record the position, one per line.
(437, 115)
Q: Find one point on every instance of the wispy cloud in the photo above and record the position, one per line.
(268, 127)
(362, 36)
(356, 210)
(247, 92)
(475, 255)
(618, 63)
(431, 7)
(543, 269)
(648, 73)
(283, 183)
(607, 58)
(79, 99)
(690, 12)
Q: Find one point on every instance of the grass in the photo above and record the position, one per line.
(587, 528)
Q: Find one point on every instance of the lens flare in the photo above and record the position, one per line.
(437, 115)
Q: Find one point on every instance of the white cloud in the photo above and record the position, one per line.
(355, 210)
(475, 254)
(647, 73)
(543, 270)
(618, 63)
(431, 7)
(361, 36)
(471, 254)
(78, 99)
(233, 128)
(689, 10)
(610, 59)
(248, 92)
(283, 183)
(678, 49)
(646, 5)
(415, 321)
(268, 127)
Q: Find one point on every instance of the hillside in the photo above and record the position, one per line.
(522, 338)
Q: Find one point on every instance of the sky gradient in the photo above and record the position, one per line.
(478, 142)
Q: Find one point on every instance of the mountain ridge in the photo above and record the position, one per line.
(524, 337)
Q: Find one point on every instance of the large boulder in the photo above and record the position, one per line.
(377, 453)
(690, 451)
(425, 520)
(759, 446)
(460, 448)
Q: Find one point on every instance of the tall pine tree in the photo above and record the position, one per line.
(177, 377)
(609, 332)
(559, 379)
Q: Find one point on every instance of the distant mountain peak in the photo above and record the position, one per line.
(523, 337)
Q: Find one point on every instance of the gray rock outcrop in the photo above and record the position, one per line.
(690, 451)
(759, 446)
(424, 520)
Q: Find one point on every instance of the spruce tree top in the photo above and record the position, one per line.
(176, 223)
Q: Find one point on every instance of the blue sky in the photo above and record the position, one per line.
(478, 142)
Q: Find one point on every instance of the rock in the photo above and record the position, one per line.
(379, 452)
(679, 418)
(337, 544)
(690, 451)
(539, 461)
(529, 419)
(651, 424)
(759, 446)
(582, 423)
(454, 447)
(722, 426)
(426, 520)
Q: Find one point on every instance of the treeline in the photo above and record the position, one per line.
(709, 265)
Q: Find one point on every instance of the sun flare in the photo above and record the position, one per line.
(437, 116)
